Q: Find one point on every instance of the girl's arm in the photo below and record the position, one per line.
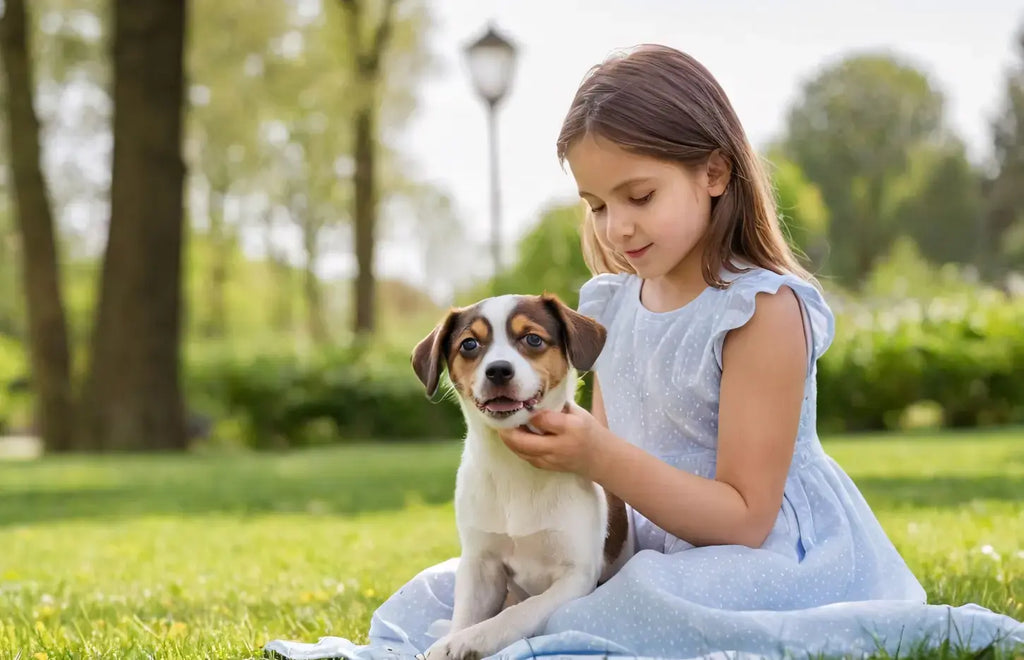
(597, 404)
(764, 368)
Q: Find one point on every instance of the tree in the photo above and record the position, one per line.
(369, 42)
(73, 101)
(132, 397)
(938, 204)
(852, 132)
(299, 169)
(375, 41)
(11, 291)
(48, 340)
(801, 208)
(1005, 213)
(226, 68)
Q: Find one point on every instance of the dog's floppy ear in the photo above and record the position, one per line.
(428, 358)
(584, 337)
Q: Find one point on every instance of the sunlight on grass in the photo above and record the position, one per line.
(212, 556)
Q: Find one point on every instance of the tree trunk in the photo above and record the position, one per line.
(48, 340)
(215, 324)
(368, 56)
(11, 291)
(365, 218)
(874, 239)
(132, 399)
(316, 324)
(281, 316)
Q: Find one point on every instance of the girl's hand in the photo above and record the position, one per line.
(572, 441)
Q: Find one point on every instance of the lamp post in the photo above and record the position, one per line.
(491, 60)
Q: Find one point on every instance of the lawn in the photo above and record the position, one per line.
(210, 556)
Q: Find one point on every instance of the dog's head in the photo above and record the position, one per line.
(510, 355)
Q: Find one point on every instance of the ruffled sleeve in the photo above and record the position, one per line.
(819, 322)
(599, 294)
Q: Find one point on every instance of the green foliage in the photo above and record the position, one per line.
(965, 355)
(938, 202)
(211, 556)
(12, 297)
(802, 210)
(344, 394)
(928, 344)
(919, 346)
(15, 407)
(904, 273)
(869, 132)
(271, 130)
(1004, 226)
(950, 360)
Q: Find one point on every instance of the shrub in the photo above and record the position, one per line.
(340, 395)
(951, 360)
(962, 354)
(15, 402)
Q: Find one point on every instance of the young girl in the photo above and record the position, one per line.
(749, 537)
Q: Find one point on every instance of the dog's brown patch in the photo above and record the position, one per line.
(583, 336)
(429, 354)
(618, 528)
(480, 329)
(461, 367)
(533, 316)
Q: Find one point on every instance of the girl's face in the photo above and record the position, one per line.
(653, 212)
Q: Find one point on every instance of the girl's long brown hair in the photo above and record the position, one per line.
(660, 102)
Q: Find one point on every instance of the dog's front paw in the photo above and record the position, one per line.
(472, 643)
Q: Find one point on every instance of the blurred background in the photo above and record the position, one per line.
(228, 226)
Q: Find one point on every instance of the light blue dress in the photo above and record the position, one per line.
(826, 581)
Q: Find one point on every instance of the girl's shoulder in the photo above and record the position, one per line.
(603, 294)
(738, 302)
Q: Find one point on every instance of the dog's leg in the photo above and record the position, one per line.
(517, 622)
(481, 586)
(480, 589)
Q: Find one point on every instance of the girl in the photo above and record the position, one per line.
(749, 537)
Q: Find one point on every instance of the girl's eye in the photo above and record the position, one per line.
(596, 209)
(469, 345)
(640, 201)
(534, 341)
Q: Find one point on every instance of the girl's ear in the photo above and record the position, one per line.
(719, 171)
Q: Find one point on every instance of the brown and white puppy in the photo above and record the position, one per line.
(532, 539)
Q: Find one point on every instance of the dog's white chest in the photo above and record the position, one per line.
(518, 502)
(531, 562)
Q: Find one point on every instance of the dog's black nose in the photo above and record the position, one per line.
(500, 372)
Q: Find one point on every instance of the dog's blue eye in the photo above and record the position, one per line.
(533, 340)
(469, 345)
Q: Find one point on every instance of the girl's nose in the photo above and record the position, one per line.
(620, 225)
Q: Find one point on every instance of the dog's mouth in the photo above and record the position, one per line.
(503, 406)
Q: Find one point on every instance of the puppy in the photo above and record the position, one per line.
(532, 539)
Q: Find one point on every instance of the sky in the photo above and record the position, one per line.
(760, 52)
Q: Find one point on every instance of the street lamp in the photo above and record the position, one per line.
(491, 60)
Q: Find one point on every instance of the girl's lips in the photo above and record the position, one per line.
(634, 254)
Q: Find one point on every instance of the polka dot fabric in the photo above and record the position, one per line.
(826, 581)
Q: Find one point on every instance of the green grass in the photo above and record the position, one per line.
(211, 556)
